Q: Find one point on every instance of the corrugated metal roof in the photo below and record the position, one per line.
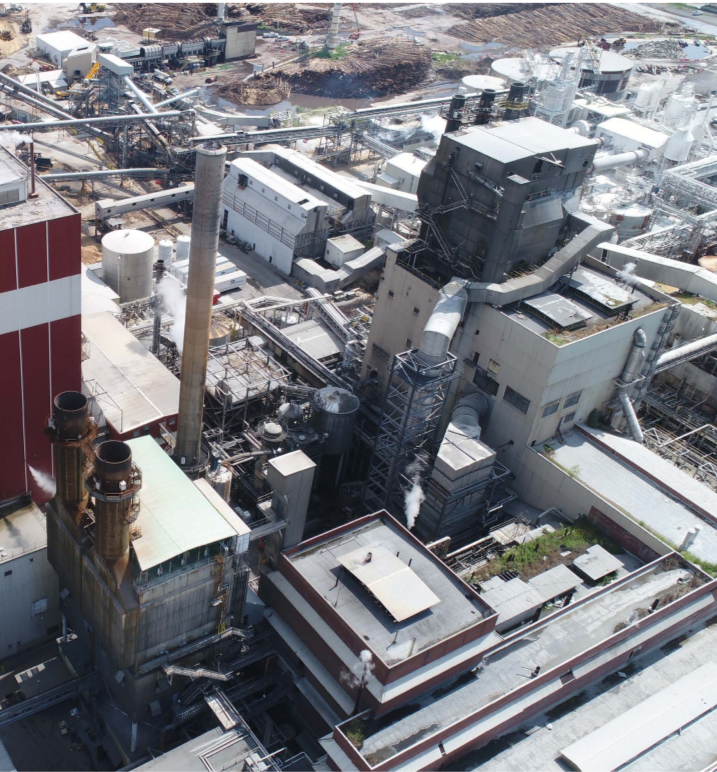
(139, 387)
(597, 562)
(174, 516)
(555, 582)
(270, 179)
(276, 214)
(510, 599)
(390, 580)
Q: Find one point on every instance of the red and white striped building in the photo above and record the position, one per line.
(40, 321)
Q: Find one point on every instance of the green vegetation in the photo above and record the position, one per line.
(705, 565)
(690, 300)
(558, 340)
(340, 52)
(356, 731)
(535, 557)
(574, 471)
(445, 57)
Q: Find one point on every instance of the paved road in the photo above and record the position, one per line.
(703, 24)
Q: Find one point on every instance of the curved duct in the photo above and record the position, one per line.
(603, 162)
(443, 322)
(467, 413)
(629, 374)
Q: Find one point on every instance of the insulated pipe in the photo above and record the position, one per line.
(139, 94)
(467, 413)
(628, 376)
(603, 162)
(689, 350)
(175, 98)
(115, 119)
(149, 171)
(208, 184)
(443, 323)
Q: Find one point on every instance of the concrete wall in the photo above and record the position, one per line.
(241, 41)
(271, 249)
(24, 580)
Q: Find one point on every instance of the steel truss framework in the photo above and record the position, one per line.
(415, 398)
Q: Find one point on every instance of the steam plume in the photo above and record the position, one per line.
(42, 480)
(360, 671)
(414, 496)
(433, 124)
(627, 275)
(11, 139)
(175, 302)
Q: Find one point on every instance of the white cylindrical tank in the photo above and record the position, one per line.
(648, 95)
(630, 220)
(127, 259)
(679, 108)
(679, 145)
(165, 251)
(183, 243)
(219, 334)
(482, 82)
(221, 480)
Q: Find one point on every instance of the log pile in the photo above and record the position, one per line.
(548, 25)
(257, 91)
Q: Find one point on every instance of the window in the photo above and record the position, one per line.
(538, 166)
(493, 366)
(7, 573)
(39, 607)
(551, 409)
(569, 418)
(390, 293)
(572, 399)
(476, 356)
(409, 344)
(479, 167)
(242, 180)
(515, 400)
(416, 311)
(485, 383)
(566, 678)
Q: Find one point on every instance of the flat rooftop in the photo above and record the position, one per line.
(134, 387)
(22, 529)
(320, 565)
(627, 487)
(316, 338)
(592, 301)
(509, 141)
(547, 646)
(691, 750)
(174, 516)
(48, 205)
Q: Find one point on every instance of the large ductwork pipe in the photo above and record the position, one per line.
(629, 375)
(114, 485)
(685, 353)
(177, 98)
(70, 429)
(603, 162)
(139, 94)
(443, 323)
(208, 184)
(467, 413)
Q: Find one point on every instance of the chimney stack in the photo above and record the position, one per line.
(208, 184)
(114, 486)
(70, 431)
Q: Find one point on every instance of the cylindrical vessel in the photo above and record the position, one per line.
(219, 334)
(208, 183)
(183, 243)
(455, 112)
(334, 414)
(127, 260)
(68, 430)
(165, 251)
(114, 486)
(631, 220)
(221, 480)
(517, 100)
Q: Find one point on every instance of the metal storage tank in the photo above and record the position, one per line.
(219, 334)
(221, 480)
(630, 220)
(334, 413)
(127, 259)
(165, 251)
(183, 243)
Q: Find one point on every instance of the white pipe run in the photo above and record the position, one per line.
(139, 94)
(175, 98)
(443, 323)
(691, 349)
(629, 374)
(603, 162)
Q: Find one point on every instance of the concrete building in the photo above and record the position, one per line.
(58, 46)
(39, 320)
(279, 219)
(402, 172)
(240, 39)
(29, 595)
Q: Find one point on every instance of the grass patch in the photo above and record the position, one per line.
(356, 731)
(445, 57)
(691, 300)
(705, 565)
(535, 557)
(558, 340)
(340, 52)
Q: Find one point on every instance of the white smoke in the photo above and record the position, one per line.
(627, 275)
(42, 480)
(174, 301)
(360, 671)
(414, 496)
(11, 139)
(435, 125)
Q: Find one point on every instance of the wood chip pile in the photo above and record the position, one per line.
(552, 24)
(185, 22)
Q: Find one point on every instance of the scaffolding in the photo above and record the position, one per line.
(404, 449)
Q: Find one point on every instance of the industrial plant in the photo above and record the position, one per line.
(359, 386)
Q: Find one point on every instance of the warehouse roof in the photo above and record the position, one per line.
(269, 179)
(64, 41)
(596, 563)
(138, 388)
(56, 79)
(174, 516)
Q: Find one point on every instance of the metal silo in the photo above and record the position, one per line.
(127, 260)
(333, 413)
